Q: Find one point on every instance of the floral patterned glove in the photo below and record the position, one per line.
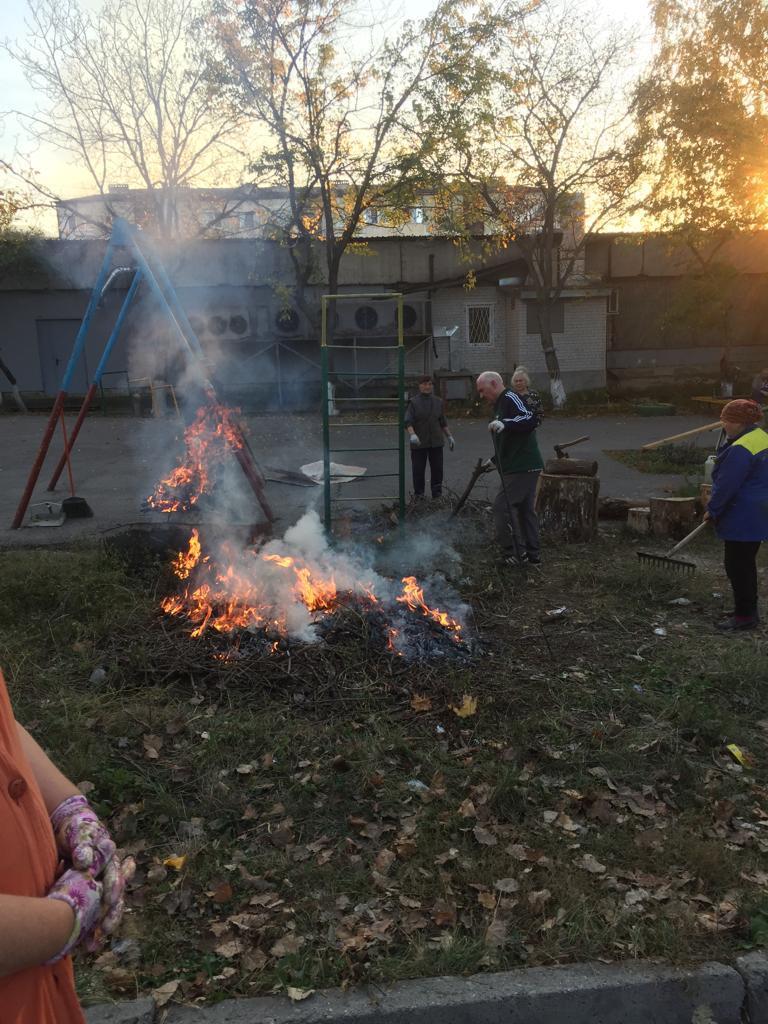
(83, 893)
(114, 880)
(80, 836)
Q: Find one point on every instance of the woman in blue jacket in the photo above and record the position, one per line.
(738, 505)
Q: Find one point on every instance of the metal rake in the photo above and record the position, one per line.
(667, 561)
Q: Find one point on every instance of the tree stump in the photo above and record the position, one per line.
(639, 520)
(705, 493)
(567, 506)
(672, 517)
(571, 467)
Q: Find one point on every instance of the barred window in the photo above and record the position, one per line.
(479, 325)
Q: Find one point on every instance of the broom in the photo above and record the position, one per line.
(667, 561)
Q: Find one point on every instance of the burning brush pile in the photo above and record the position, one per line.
(262, 598)
(207, 440)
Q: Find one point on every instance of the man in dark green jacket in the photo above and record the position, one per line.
(518, 460)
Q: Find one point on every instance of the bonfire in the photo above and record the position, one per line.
(291, 588)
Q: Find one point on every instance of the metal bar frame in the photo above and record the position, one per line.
(151, 269)
(58, 404)
(97, 375)
(325, 399)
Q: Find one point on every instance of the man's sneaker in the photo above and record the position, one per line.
(513, 561)
(738, 622)
(534, 559)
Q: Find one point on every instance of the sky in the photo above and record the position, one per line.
(68, 180)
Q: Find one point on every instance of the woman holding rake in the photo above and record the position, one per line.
(738, 506)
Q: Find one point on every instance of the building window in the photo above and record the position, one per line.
(418, 215)
(371, 216)
(246, 221)
(480, 325)
(556, 318)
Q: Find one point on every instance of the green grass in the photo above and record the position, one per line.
(672, 458)
(590, 720)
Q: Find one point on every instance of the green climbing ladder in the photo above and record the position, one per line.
(327, 400)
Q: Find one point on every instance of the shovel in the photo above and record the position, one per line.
(73, 507)
(667, 561)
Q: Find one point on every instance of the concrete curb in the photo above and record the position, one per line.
(711, 993)
(140, 1011)
(753, 968)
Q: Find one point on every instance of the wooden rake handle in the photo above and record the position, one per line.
(687, 539)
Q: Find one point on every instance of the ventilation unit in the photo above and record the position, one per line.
(379, 318)
(222, 324)
(287, 321)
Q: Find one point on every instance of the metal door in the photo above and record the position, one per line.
(55, 339)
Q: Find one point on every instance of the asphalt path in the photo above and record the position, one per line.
(117, 460)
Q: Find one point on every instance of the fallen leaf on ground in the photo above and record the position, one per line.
(507, 885)
(419, 703)
(222, 893)
(496, 933)
(483, 836)
(165, 993)
(467, 708)
(297, 994)
(177, 863)
(591, 864)
(287, 944)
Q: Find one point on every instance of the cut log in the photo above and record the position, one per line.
(672, 517)
(570, 467)
(639, 520)
(614, 508)
(705, 493)
(567, 506)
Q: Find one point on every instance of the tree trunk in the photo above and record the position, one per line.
(639, 520)
(672, 517)
(567, 506)
(556, 388)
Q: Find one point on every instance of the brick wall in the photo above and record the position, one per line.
(449, 308)
(580, 348)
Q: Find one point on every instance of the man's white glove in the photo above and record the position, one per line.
(414, 439)
(487, 466)
(496, 426)
(451, 442)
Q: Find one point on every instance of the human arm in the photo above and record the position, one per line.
(413, 437)
(54, 786)
(732, 469)
(82, 840)
(33, 929)
(513, 415)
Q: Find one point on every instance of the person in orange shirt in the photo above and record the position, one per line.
(61, 885)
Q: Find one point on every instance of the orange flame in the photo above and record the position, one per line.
(230, 596)
(206, 442)
(413, 598)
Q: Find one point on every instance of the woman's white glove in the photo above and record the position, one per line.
(451, 443)
(496, 426)
(414, 439)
